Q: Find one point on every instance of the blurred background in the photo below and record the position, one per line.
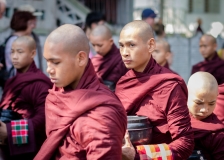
(181, 19)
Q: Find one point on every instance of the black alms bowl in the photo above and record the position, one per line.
(140, 130)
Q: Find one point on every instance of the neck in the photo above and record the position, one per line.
(163, 64)
(23, 70)
(78, 78)
(142, 67)
(211, 56)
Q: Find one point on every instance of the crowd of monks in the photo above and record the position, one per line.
(80, 111)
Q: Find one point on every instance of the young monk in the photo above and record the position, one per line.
(212, 63)
(208, 129)
(24, 94)
(162, 53)
(84, 119)
(107, 63)
(150, 90)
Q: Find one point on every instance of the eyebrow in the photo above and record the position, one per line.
(52, 59)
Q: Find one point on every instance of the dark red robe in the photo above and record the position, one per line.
(214, 66)
(209, 137)
(168, 67)
(219, 109)
(29, 90)
(162, 96)
(86, 123)
(109, 67)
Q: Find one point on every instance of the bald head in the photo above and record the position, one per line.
(101, 31)
(165, 44)
(202, 81)
(71, 37)
(203, 92)
(28, 41)
(209, 38)
(143, 29)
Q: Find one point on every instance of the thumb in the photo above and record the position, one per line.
(127, 140)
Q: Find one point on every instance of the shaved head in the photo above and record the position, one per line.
(101, 31)
(203, 92)
(144, 30)
(165, 44)
(72, 38)
(202, 81)
(209, 37)
(28, 41)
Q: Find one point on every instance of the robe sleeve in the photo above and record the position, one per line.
(179, 125)
(32, 98)
(101, 136)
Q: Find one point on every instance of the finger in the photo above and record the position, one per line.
(127, 140)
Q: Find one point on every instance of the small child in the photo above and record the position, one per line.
(208, 130)
(22, 129)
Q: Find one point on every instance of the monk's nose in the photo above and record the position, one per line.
(204, 109)
(124, 52)
(50, 70)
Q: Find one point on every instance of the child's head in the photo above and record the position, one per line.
(101, 39)
(202, 94)
(22, 53)
(162, 52)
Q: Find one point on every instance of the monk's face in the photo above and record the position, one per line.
(201, 103)
(21, 55)
(63, 67)
(135, 52)
(207, 47)
(101, 45)
(160, 54)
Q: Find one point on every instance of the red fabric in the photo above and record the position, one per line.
(209, 136)
(110, 67)
(86, 123)
(162, 96)
(219, 109)
(214, 66)
(29, 90)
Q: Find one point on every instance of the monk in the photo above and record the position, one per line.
(150, 90)
(107, 62)
(162, 53)
(208, 129)
(212, 63)
(22, 116)
(84, 119)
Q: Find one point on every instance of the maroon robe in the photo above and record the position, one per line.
(29, 91)
(215, 66)
(219, 109)
(109, 67)
(209, 137)
(86, 123)
(162, 96)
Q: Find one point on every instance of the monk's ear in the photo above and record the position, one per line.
(82, 58)
(151, 45)
(111, 41)
(168, 55)
(33, 53)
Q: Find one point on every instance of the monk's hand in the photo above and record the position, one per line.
(128, 151)
(3, 133)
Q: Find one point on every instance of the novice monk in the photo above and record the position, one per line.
(162, 53)
(24, 94)
(84, 119)
(107, 63)
(212, 63)
(208, 130)
(150, 90)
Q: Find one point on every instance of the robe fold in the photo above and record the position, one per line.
(209, 137)
(160, 95)
(215, 66)
(29, 91)
(86, 123)
(109, 67)
(219, 109)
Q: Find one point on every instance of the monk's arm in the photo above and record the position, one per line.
(179, 125)
(102, 135)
